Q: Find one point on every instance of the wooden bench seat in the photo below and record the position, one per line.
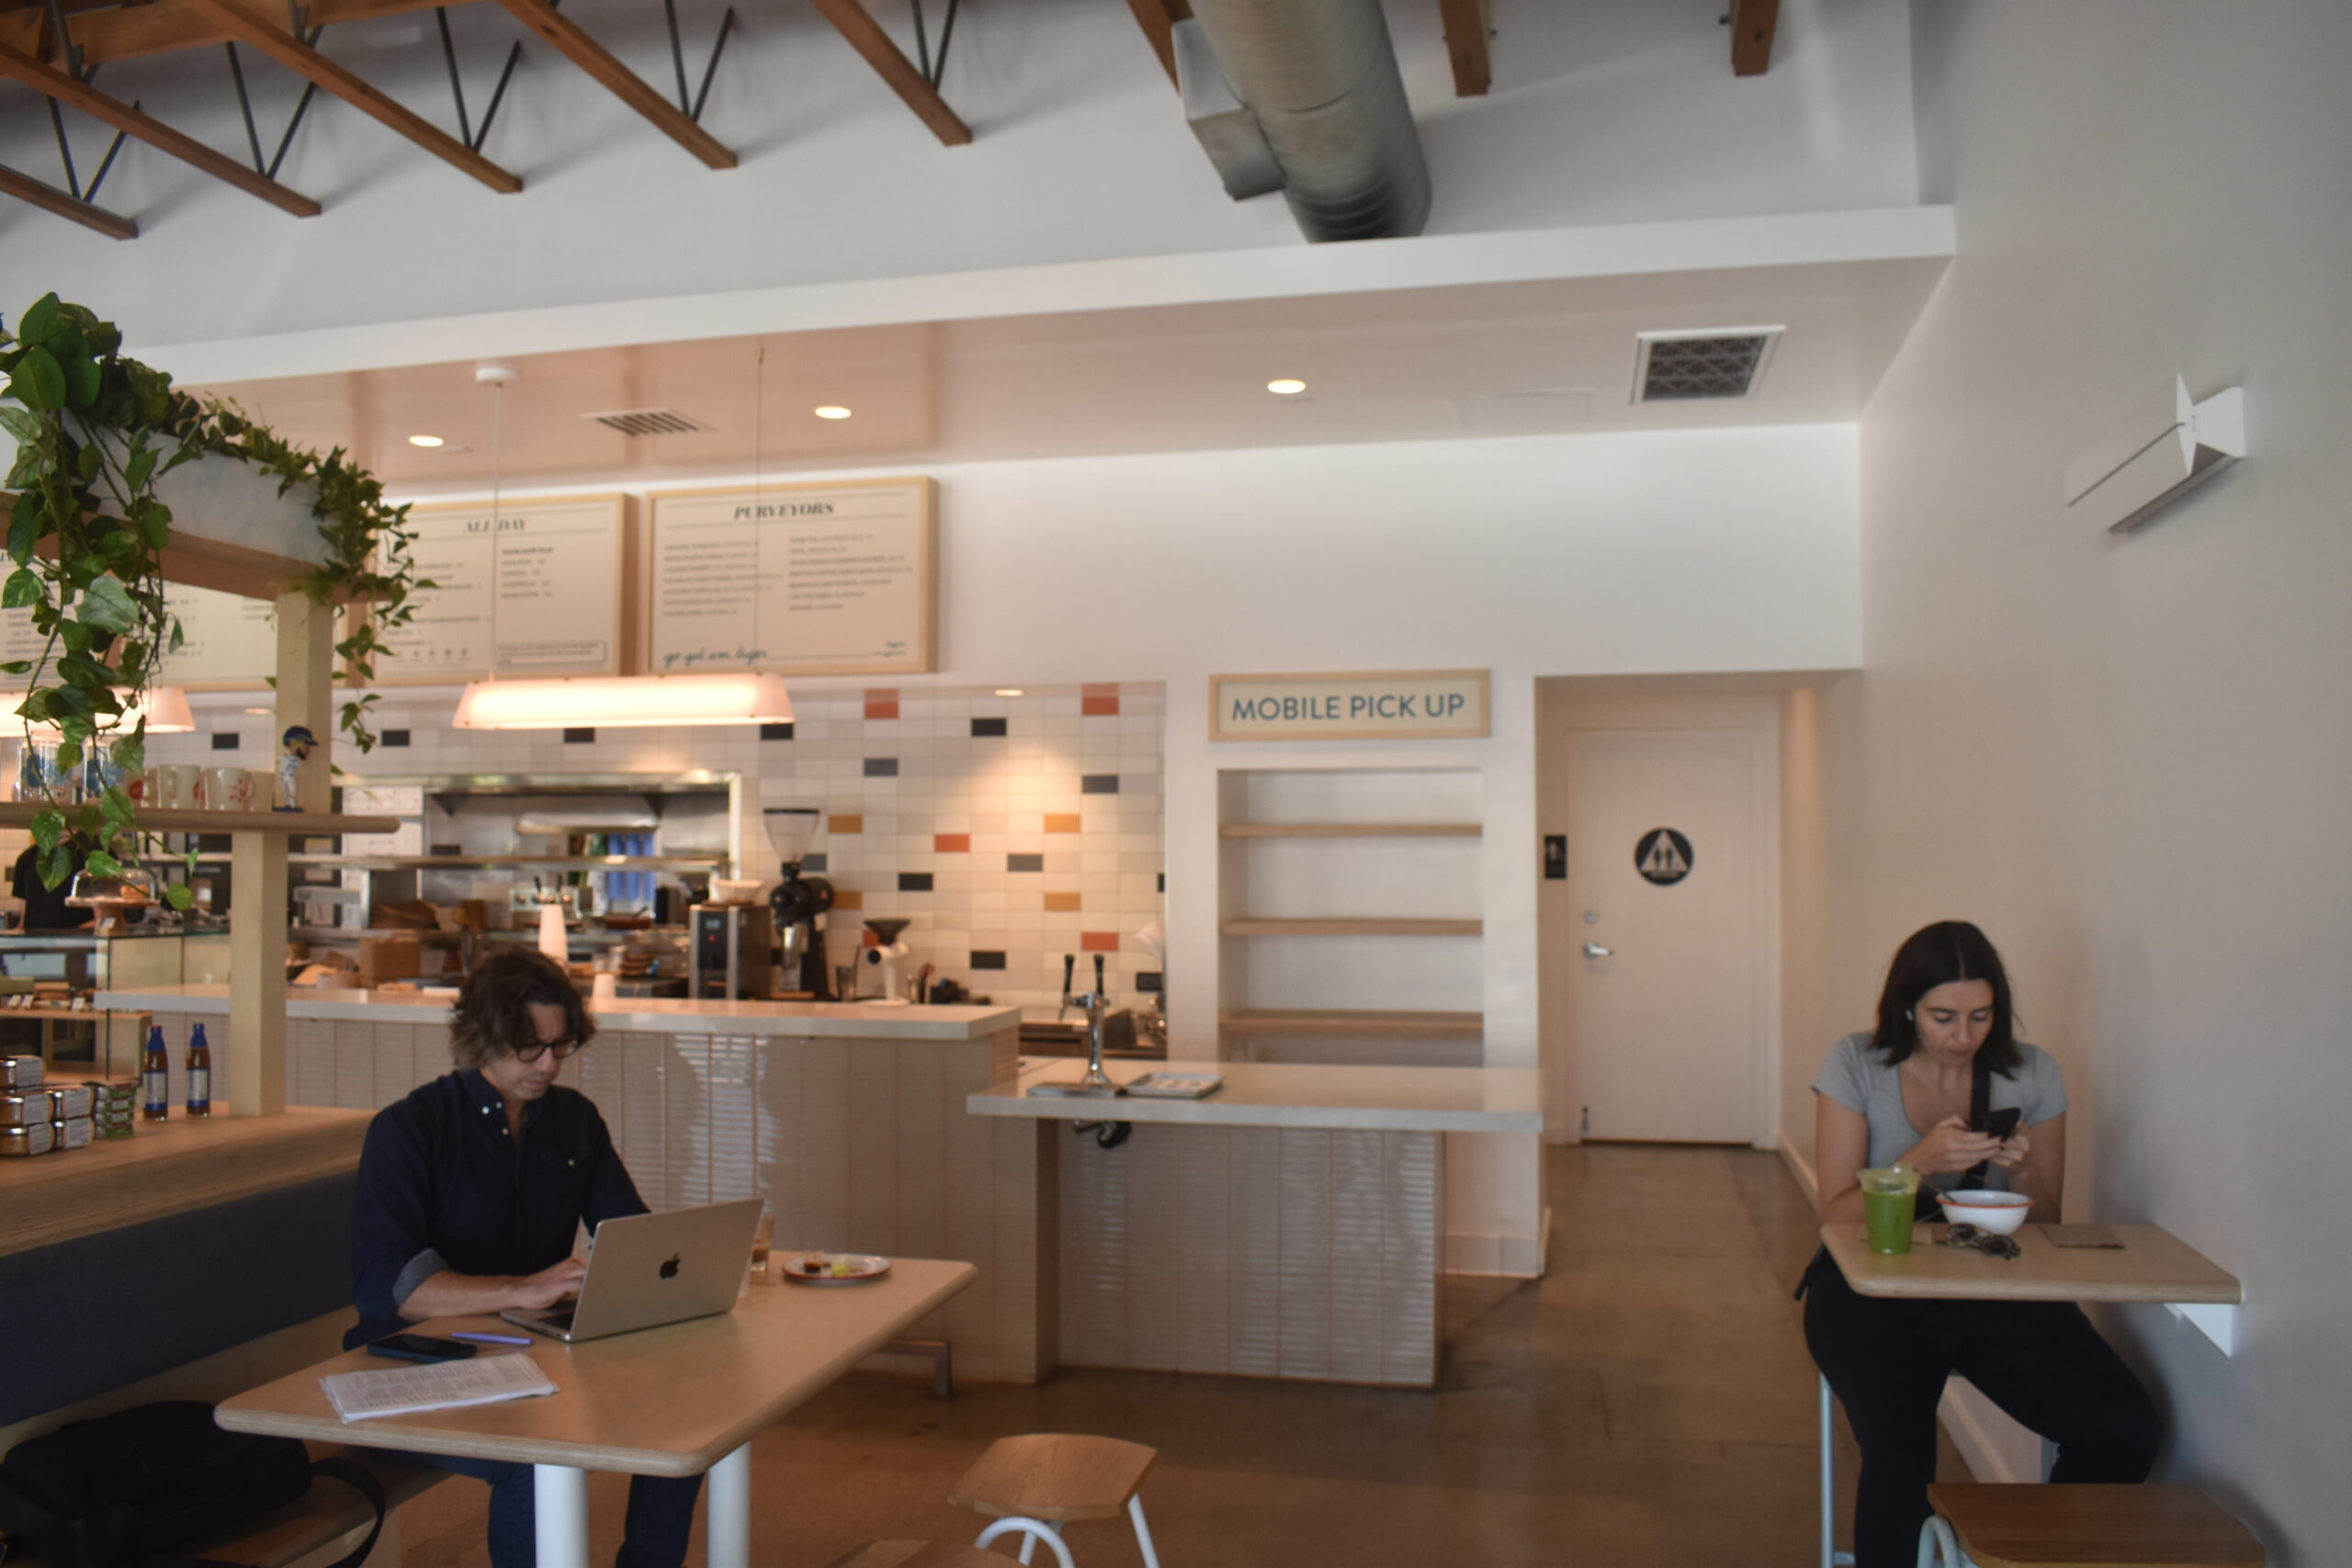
(2109, 1527)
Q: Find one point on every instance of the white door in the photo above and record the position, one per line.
(1665, 935)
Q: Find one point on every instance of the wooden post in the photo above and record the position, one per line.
(306, 688)
(257, 973)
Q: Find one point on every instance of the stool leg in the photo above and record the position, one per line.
(1032, 1532)
(1939, 1547)
(1143, 1531)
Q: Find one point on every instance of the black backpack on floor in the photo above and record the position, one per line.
(130, 1488)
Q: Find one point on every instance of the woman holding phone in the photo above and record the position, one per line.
(1908, 1092)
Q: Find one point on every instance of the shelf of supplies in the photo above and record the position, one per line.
(18, 814)
(1350, 830)
(1350, 926)
(1360, 1023)
(511, 862)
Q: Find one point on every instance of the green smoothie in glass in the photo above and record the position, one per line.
(1889, 1194)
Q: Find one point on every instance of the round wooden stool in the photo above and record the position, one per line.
(917, 1554)
(1036, 1484)
(2082, 1526)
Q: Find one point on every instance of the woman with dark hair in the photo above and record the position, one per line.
(469, 1194)
(1903, 1094)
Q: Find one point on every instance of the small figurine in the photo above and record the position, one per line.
(294, 749)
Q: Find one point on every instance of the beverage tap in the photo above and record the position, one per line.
(1096, 1080)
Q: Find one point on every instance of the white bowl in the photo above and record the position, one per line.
(2000, 1212)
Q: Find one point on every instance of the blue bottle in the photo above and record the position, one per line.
(199, 1075)
(155, 1077)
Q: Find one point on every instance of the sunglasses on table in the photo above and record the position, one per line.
(1991, 1243)
(559, 1048)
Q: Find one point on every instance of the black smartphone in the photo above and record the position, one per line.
(420, 1347)
(2000, 1122)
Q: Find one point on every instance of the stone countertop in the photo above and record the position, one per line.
(1273, 1094)
(833, 1021)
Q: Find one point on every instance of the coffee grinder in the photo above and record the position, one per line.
(884, 954)
(798, 903)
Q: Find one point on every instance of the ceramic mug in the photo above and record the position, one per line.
(231, 790)
(185, 787)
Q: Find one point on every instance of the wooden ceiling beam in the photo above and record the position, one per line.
(161, 27)
(308, 62)
(1467, 29)
(1157, 19)
(1752, 22)
(48, 198)
(113, 111)
(564, 36)
(866, 36)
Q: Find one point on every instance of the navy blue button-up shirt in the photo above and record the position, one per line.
(443, 1185)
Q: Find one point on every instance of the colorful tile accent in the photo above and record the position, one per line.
(881, 702)
(881, 767)
(1061, 902)
(987, 728)
(1061, 821)
(981, 960)
(851, 823)
(951, 843)
(914, 881)
(1024, 862)
(1098, 783)
(1099, 707)
(848, 898)
(1098, 942)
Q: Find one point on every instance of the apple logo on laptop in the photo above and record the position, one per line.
(670, 1268)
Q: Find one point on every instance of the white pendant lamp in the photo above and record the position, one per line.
(625, 701)
(165, 707)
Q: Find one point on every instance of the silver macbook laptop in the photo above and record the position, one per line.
(648, 1269)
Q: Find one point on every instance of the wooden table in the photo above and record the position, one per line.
(2152, 1266)
(679, 1400)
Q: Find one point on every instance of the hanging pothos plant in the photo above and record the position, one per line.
(85, 536)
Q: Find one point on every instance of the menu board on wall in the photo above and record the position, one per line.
(228, 642)
(836, 579)
(534, 591)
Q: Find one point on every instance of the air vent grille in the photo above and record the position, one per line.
(1686, 366)
(649, 422)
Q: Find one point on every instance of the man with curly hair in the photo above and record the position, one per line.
(470, 1194)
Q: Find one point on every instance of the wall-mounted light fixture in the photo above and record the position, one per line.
(623, 702)
(2170, 445)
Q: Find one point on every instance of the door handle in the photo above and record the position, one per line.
(1594, 949)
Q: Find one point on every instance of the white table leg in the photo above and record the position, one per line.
(559, 1506)
(728, 1525)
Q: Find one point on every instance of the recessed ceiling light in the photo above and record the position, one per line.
(1010, 692)
(1287, 387)
(832, 411)
(424, 441)
(261, 710)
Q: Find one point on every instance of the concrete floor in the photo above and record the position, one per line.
(1650, 1400)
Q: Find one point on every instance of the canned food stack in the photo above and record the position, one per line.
(115, 1108)
(39, 1118)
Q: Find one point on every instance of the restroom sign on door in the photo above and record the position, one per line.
(1662, 856)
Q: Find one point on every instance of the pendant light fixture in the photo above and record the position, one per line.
(614, 702)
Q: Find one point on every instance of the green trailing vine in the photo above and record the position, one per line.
(85, 536)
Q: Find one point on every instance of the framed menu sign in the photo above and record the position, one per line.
(837, 579)
(228, 642)
(534, 591)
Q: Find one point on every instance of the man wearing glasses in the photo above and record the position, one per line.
(470, 1192)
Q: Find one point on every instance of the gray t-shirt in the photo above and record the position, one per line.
(1862, 1079)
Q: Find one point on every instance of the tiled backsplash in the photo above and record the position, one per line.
(1012, 831)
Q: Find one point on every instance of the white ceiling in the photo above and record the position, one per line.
(1413, 364)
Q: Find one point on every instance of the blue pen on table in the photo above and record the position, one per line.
(492, 1338)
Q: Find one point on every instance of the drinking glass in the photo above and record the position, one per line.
(1889, 1195)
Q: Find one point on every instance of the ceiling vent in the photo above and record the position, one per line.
(649, 422)
(1723, 362)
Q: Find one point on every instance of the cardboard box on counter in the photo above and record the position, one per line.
(389, 958)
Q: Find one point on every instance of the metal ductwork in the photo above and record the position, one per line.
(1318, 79)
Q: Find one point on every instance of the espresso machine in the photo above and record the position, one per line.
(729, 948)
(798, 903)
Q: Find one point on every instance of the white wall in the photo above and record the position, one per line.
(1608, 111)
(2128, 758)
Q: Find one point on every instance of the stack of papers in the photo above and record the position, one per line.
(443, 1385)
(1176, 1086)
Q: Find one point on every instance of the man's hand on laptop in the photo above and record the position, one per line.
(549, 1286)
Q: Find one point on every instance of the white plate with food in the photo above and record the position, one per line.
(832, 1267)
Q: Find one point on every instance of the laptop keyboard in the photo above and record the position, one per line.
(560, 1320)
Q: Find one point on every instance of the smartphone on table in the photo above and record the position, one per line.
(420, 1347)
(2000, 1123)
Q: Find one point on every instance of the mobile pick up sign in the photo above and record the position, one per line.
(1397, 705)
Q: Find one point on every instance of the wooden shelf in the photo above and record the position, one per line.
(18, 813)
(1350, 830)
(1346, 927)
(1361, 1022)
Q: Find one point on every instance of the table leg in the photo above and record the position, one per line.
(728, 1525)
(559, 1506)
